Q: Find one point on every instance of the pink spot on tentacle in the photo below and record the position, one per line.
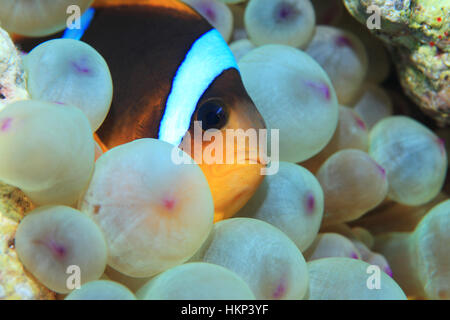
(5, 124)
(441, 143)
(57, 250)
(280, 290)
(208, 11)
(310, 202)
(343, 41)
(81, 66)
(169, 203)
(321, 87)
(285, 12)
(59, 102)
(381, 169)
(360, 122)
(354, 255)
(388, 271)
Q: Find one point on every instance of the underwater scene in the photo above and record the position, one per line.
(224, 150)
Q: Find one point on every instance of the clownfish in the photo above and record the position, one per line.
(171, 68)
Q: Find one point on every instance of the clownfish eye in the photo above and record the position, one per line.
(212, 114)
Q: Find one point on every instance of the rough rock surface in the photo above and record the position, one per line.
(15, 282)
(417, 34)
(12, 76)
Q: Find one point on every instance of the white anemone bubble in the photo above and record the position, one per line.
(71, 72)
(288, 22)
(155, 214)
(263, 256)
(379, 60)
(47, 151)
(217, 13)
(374, 105)
(420, 259)
(57, 244)
(364, 236)
(132, 283)
(294, 95)
(101, 290)
(196, 281)
(38, 18)
(351, 133)
(331, 245)
(415, 159)
(373, 258)
(343, 57)
(353, 183)
(241, 47)
(291, 200)
(350, 279)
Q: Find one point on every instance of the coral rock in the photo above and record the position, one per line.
(417, 35)
(12, 76)
(15, 282)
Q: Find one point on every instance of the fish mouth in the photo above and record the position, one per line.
(232, 185)
(234, 171)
